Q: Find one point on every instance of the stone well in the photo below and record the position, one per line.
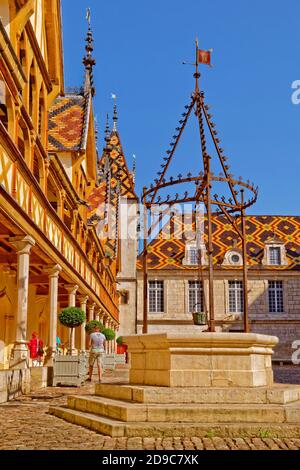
(201, 360)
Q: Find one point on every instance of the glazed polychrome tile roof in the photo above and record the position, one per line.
(109, 193)
(67, 123)
(119, 171)
(119, 168)
(168, 252)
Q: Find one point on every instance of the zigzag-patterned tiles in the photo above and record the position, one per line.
(168, 250)
(119, 171)
(66, 123)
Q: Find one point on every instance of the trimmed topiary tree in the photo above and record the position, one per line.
(71, 317)
(109, 334)
(89, 327)
(120, 340)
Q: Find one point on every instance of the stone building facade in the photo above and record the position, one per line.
(274, 280)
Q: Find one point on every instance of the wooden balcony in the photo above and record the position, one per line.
(24, 201)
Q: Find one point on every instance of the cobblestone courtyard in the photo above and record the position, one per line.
(25, 425)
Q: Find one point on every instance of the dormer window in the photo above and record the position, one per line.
(192, 254)
(274, 253)
(233, 258)
(274, 256)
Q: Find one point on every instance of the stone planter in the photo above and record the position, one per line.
(121, 348)
(69, 370)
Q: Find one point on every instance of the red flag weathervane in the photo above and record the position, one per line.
(204, 57)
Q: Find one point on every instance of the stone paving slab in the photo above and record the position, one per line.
(26, 425)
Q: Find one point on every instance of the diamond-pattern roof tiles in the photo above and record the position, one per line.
(66, 123)
(168, 253)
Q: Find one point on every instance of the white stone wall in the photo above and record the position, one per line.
(128, 312)
(127, 274)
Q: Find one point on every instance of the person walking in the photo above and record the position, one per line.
(36, 350)
(97, 350)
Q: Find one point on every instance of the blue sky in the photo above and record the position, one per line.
(140, 46)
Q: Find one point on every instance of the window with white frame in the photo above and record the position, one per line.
(156, 296)
(236, 296)
(274, 256)
(193, 255)
(196, 303)
(276, 297)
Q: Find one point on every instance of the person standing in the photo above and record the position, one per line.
(58, 344)
(36, 350)
(97, 350)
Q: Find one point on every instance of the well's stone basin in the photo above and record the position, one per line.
(201, 360)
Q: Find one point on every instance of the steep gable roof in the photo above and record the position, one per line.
(119, 168)
(119, 172)
(115, 180)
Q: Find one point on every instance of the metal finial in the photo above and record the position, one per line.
(107, 129)
(96, 132)
(115, 118)
(88, 16)
(134, 168)
(88, 60)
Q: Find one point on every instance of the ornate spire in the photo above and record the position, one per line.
(134, 168)
(115, 118)
(88, 61)
(96, 132)
(107, 130)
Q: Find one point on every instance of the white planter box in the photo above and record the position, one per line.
(69, 370)
(109, 362)
(120, 359)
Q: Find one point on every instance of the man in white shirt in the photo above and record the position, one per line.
(97, 350)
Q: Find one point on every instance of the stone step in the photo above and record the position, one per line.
(115, 428)
(192, 413)
(111, 408)
(101, 425)
(276, 394)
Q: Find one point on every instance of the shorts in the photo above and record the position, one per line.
(95, 357)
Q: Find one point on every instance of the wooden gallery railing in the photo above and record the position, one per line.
(21, 187)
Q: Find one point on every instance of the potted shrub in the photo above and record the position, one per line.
(122, 351)
(109, 361)
(89, 327)
(121, 347)
(70, 369)
(199, 317)
(109, 334)
(71, 317)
